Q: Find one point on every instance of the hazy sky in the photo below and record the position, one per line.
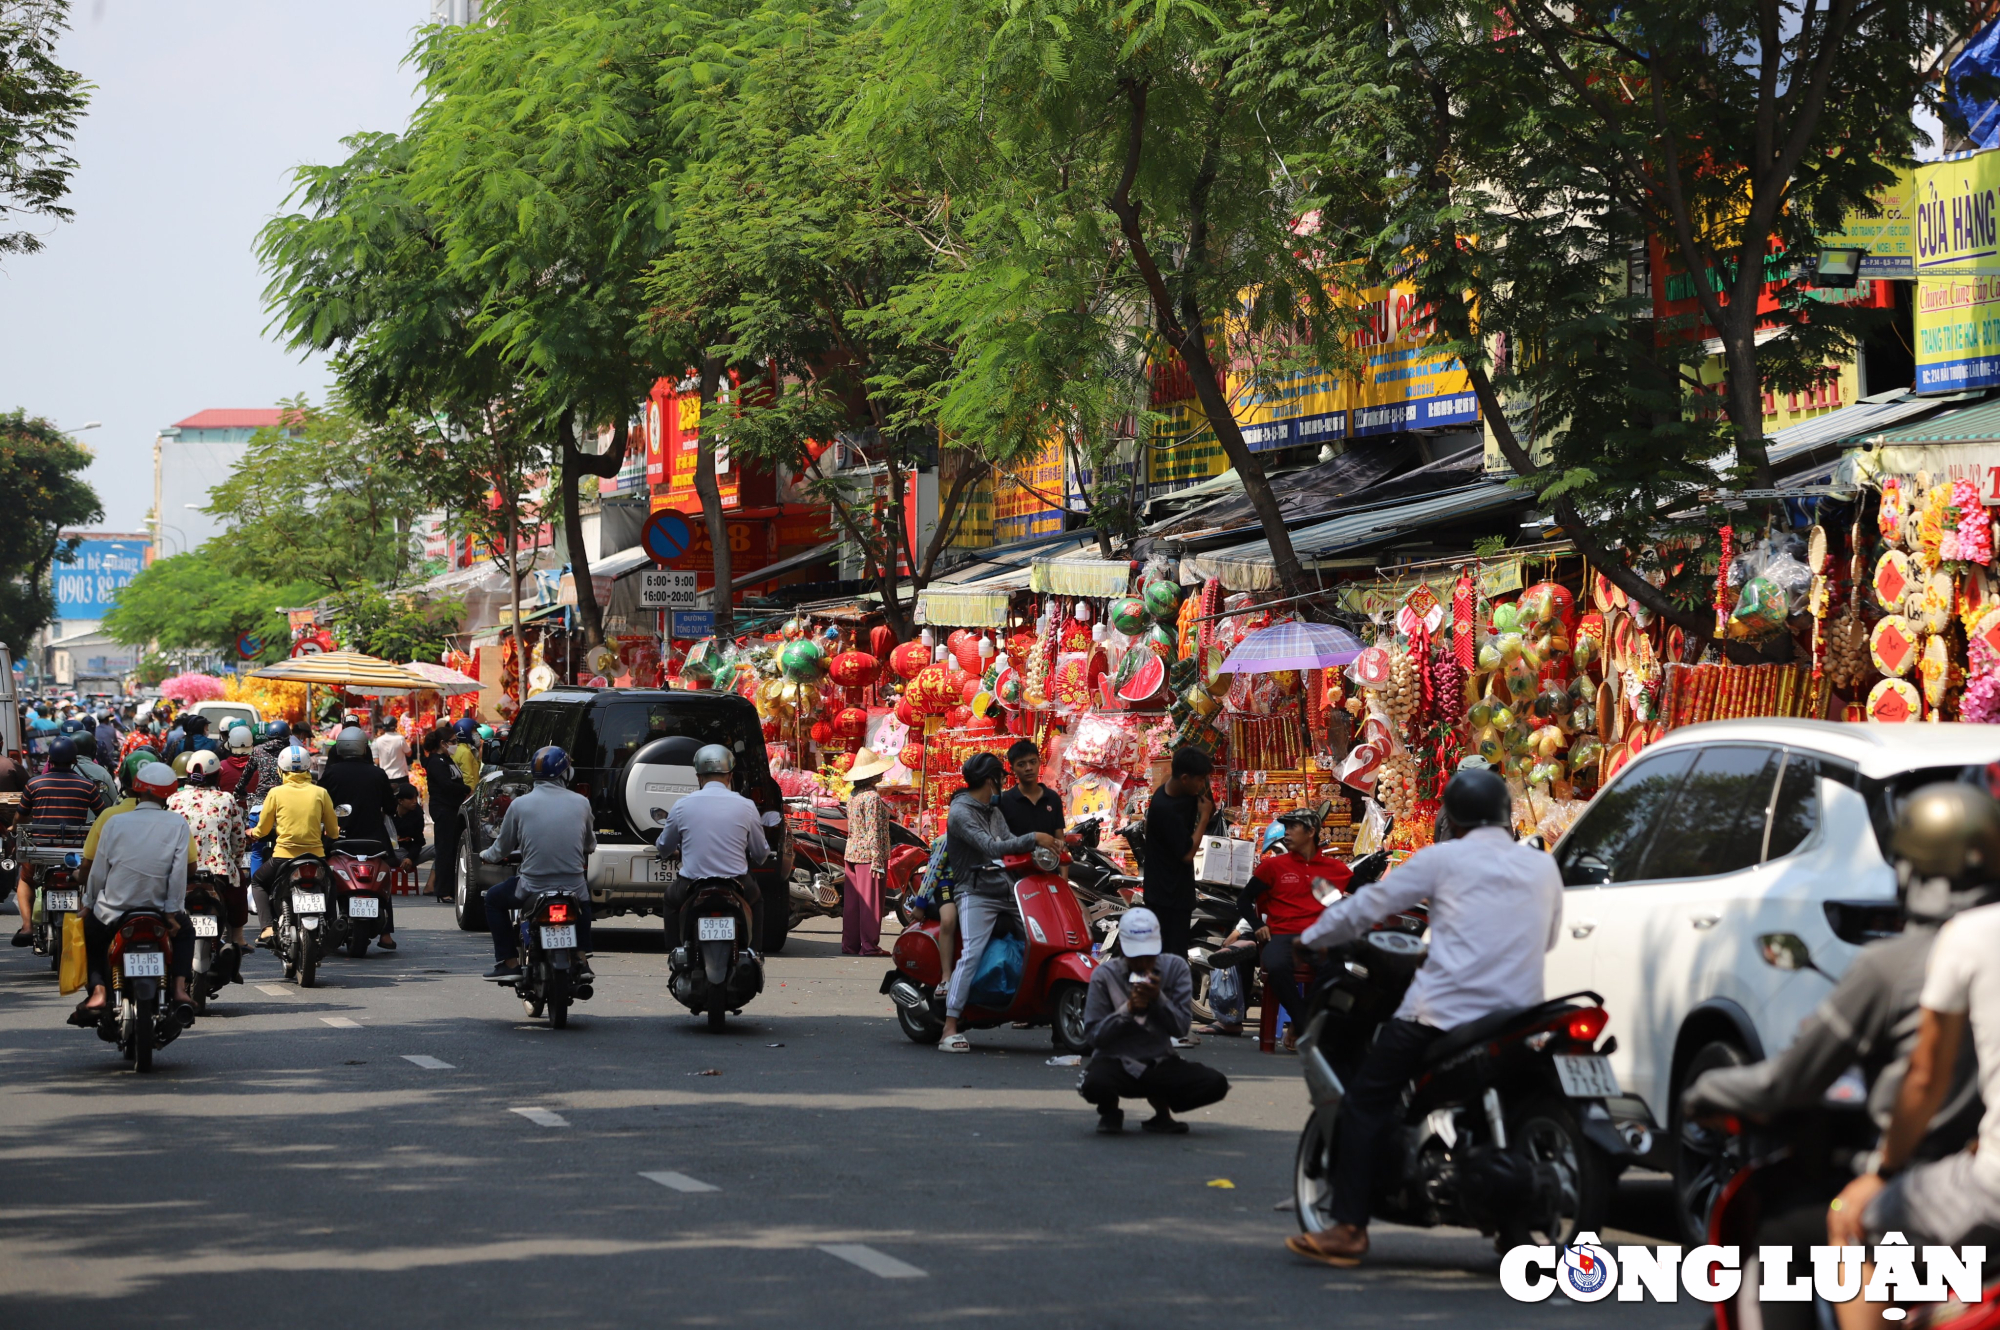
(148, 307)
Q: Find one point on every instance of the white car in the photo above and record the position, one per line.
(1693, 877)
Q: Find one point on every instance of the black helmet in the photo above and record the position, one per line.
(1477, 798)
(351, 744)
(1947, 850)
(62, 754)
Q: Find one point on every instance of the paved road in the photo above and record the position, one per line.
(401, 1147)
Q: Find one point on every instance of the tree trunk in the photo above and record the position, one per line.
(724, 596)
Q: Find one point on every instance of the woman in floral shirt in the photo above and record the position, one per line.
(216, 821)
(867, 858)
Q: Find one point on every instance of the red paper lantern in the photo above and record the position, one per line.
(851, 723)
(881, 641)
(855, 669)
(910, 659)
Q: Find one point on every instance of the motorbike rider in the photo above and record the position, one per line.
(1495, 909)
(550, 828)
(300, 814)
(718, 835)
(142, 864)
(1947, 846)
(215, 820)
(354, 781)
(60, 796)
(977, 839)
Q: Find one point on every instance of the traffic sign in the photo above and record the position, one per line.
(666, 589)
(691, 623)
(666, 536)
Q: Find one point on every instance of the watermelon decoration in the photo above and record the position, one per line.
(1163, 600)
(1145, 682)
(1128, 615)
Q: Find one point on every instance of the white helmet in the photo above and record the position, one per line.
(240, 739)
(293, 759)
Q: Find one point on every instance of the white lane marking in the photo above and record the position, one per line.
(541, 1117)
(341, 1022)
(427, 1062)
(679, 1181)
(274, 990)
(874, 1262)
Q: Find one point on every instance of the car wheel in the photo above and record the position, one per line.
(469, 903)
(1704, 1160)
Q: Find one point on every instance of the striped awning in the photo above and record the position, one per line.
(345, 669)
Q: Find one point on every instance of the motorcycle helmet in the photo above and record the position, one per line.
(295, 758)
(62, 754)
(202, 768)
(351, 744)
(714, 760)
(240, 740)
(155, 780)
(551, 763)
(1476, 798)
(1947, 851)
(128, 770)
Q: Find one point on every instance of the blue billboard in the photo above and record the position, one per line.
(86, 587)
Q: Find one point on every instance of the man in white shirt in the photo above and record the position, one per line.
(141, 863)
(1495, 908)
(392, 751)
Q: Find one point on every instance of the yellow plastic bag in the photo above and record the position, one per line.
(71, 976)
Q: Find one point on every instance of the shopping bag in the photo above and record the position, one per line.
(998, 977)
(71, 976)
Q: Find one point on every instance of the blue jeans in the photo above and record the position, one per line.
(502, 897)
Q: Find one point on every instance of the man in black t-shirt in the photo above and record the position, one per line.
(1030, 805)
(1176, 820)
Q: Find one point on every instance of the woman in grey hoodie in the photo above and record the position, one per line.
(976, 839)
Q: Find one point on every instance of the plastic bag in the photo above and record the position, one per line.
(998, 977)
(72, 974)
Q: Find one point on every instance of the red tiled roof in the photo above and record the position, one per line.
(259, 418)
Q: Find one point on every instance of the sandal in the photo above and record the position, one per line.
(954, 1043)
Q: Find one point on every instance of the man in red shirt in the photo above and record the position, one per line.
(1279, 903)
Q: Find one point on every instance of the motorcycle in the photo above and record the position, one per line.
(818, 884)
(1506, 1128)
(135, 1018)
(715, 969)
(50, 854)
(359, 874)
(1055, 972)
(217, 964)
(551, 977)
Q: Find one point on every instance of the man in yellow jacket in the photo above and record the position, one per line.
(301, 814)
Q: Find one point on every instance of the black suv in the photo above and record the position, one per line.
(633, 750)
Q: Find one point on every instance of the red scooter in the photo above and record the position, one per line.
(1055, 973)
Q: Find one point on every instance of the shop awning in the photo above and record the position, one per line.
(1084, 573)
(1250, 568)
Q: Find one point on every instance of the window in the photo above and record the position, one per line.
(1795, 812)
(1716, 823)
(1607, 842)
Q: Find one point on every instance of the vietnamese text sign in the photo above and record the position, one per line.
(666, 588)
(1957, 231)
(86, 587)
(1958, 332)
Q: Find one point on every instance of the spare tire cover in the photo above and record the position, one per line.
(659, 775)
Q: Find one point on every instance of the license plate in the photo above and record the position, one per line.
(145, 965)
(558, 937)
(716, 930)
(658, 870)
(1586, 1077)
(308, 902)
(364, 907)
(206, 925)
(63, 902)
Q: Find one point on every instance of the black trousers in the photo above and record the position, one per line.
(1171, 1085)
(1369, 1114)
(677, 894)
(97, 937)
(1175, 906)
(1281, 983)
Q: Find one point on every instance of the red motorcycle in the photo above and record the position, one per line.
(1055, 973)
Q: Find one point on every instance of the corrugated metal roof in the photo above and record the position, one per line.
(1249, 567)
(1851, 422)
(1972, 424)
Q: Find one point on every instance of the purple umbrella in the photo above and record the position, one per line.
(1292, 646)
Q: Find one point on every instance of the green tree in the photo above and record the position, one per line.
(323, 498)
(40, 105)
(41, 475)
(194, 601)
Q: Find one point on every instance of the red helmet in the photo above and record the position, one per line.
(156, 780)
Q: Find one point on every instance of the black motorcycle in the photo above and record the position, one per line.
(715, 969)
(1505, 1128)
